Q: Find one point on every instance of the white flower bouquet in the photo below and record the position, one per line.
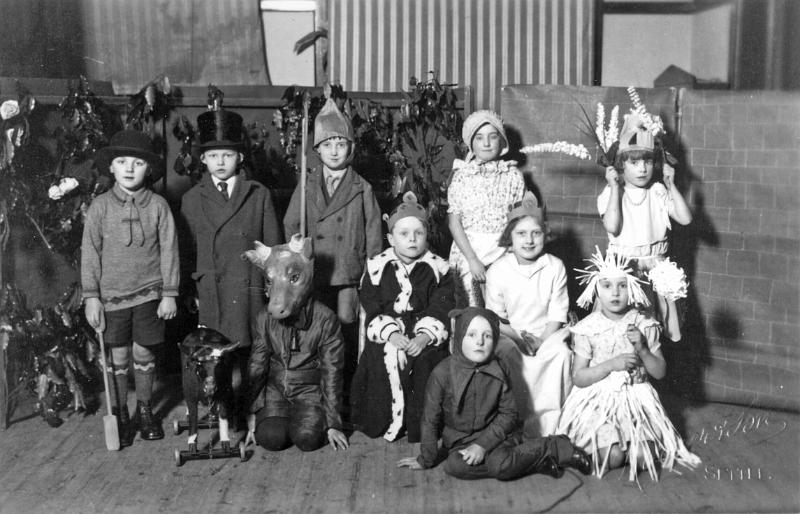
(669, 280)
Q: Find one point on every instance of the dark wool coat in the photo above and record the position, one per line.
(216, 233)
(472, 402)
(299, 359)
(346, 229)
(375, 402)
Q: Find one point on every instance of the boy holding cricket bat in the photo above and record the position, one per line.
(130, 274)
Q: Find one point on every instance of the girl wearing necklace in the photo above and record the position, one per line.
(637, 210)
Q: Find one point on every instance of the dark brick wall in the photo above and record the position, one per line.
(741, 176)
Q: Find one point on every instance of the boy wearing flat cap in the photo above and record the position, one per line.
(223, 215)
(129, 274)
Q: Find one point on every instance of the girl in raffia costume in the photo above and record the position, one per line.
(613, 412)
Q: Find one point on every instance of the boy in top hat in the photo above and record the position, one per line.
(224, 214)
(344, 222)
(129, 274)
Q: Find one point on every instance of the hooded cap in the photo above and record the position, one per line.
(475, 121)
(127, 143)
(463, 317)
(330, 122)
(529, 206)
(408, 208)
(220, 129)
(634, 135)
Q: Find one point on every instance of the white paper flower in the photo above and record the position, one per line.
(669, 280)
(67, 184)
(9, 109)
(55, 193)
(578, 151)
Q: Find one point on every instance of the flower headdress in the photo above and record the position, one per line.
(610, 266)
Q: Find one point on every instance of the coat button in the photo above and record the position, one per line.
(320, 236)
(340, 238)
(218, 279)
(339, 219)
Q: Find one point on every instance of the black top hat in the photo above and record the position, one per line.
(126, 143)
(220, 129)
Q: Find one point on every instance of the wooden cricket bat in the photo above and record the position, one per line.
(109, 420)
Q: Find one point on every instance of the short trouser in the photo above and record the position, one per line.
(139, 324)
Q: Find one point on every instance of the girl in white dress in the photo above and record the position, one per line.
(613, 412)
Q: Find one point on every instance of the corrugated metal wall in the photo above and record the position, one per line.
(378, 45)
(196, 42)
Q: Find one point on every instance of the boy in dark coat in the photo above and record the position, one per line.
(223, 215)
(221, 227)
(469, 395)
(406, 294)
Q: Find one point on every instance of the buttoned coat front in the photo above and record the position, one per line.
(346, 229)
(216, 234)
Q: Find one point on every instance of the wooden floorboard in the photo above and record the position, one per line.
(751, 463)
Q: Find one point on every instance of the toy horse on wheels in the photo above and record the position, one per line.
(207, 378)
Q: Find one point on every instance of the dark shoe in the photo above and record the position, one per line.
(124, 426)
(149, 427)
(580, 461)
(551, 468)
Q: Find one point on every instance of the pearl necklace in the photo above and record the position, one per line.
(640, 202)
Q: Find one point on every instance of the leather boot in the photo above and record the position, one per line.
(580, 461)
(124, 426)
(149, 427)
(551, 468)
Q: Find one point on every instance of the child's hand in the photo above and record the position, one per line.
(409, 462)
(530, 343)
(669, 175)
(94, 314)
(612, 176)
(625, 362)
(337, 439)
(636, 338)
(477, 269)
(473, 454)
(417, 344)
(399, 341)
(167, 308)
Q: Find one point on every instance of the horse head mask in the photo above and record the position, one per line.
(289, 269)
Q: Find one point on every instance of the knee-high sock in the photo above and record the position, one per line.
(143, 373)
(118, 381)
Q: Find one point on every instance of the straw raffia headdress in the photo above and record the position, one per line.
(610, 266)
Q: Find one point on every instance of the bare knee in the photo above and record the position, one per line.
(616, 457)
(142, 353)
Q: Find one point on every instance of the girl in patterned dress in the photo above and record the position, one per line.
(613, 411)
(482, 189)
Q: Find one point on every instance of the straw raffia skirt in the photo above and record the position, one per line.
(617, 410)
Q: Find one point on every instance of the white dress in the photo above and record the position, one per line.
(622, 408)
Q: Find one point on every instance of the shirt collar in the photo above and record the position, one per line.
(326, 173)
(528, 270)
(141, 196)
(231, 182)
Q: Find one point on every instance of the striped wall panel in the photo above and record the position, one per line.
(193, 42)
(378, 45)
